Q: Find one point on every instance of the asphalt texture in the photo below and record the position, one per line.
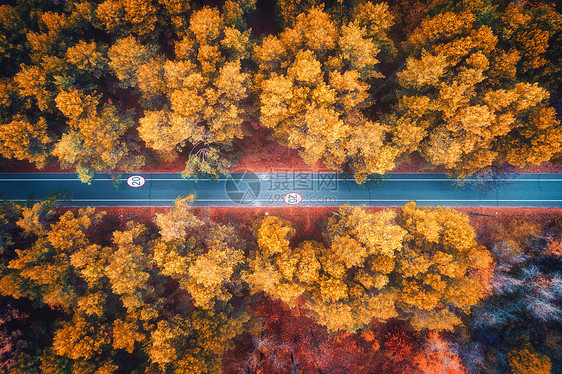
(289, 189)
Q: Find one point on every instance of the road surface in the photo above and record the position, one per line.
(289, 188)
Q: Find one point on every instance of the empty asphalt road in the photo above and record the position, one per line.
(288, 188)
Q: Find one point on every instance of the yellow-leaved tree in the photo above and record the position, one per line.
(127, 269)
(160, 317)
(22, 139)
(204, 258)
(200, 98)
(137, 17)
(313, 82)
(126, 297)
(149, 20)
(526, 359)
(42, 271)
(346, 281)
(440, 269)
(177, 220)
(203, 267)
(24, 135)
(94, 141)
(423, 265)
(465, 100)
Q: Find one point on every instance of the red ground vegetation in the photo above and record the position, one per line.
(287, 339)
(259, 153)
(545, 167)
(546, 219)
(11, 341)
(308, 220)
(265, 155)
(17, 166)
(284, 338)
(414, 163)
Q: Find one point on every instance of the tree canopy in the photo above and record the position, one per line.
(115, 294)
(355, 85)
(313, 83)
(118, 307)
(199, 98)
(422, 265)
(469, 96)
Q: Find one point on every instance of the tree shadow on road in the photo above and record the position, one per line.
(488, 181)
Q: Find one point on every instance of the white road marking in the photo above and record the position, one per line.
(265, 200)
(46, 180)
(288, 180)
(135, 181)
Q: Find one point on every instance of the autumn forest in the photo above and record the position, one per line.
(469, 87)
(407, 290)
(115, 85)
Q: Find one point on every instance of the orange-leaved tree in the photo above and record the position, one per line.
(424, 266)
(203, 256)
(439, 356)
(313, 83)
(95, 140)
(526, 359)
(466, 100)
(198, 99)
(119, 298)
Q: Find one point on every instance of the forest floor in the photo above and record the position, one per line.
(261, 154)
(308, 220)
